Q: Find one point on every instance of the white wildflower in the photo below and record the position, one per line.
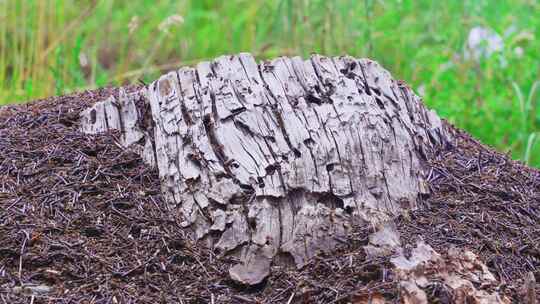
(133, 24)
(83, 60)
(169, 22)
(482, 43)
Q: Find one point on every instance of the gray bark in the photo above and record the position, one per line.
(279, 158)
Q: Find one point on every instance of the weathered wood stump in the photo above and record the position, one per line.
(279, 159)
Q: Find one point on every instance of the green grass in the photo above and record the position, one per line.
(55, 47)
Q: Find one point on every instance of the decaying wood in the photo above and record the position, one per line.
(278, 158)
(459, 272)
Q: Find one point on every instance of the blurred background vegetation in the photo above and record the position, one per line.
(52, 47)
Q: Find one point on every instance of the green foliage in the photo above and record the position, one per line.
(58, 46)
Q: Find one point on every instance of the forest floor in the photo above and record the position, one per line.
(83, 220)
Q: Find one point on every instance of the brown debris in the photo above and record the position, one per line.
(369, 298)
(459, 273)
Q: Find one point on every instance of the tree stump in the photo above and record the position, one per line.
(276, 161)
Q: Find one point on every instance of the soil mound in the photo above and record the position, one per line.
(83, 220)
